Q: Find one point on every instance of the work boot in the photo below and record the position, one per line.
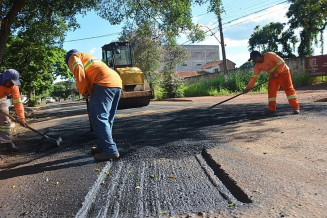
(95, 149)
(296, 111)
(105, 157)
(11, 147)
(270, 113)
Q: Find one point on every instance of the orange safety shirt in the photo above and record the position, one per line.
(272, 64)
(16, 99)
(89, 70)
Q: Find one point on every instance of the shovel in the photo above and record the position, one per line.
(57, 141)
(238, 94)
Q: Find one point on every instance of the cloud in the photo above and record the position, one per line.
(266, 16)
(93, 50)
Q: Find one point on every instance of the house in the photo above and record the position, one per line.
(198, 55)
(217, 66)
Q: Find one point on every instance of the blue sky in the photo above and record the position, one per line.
(239, 21)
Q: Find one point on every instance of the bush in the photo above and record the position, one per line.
(302, 80)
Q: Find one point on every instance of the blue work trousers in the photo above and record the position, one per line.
(103, 106)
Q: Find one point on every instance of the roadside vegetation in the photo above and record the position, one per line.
(236, 84)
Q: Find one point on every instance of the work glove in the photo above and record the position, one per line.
(246, 91)
(23, 123)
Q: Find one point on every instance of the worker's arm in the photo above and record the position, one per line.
(17, 101)
(76, 66)
(253, 79)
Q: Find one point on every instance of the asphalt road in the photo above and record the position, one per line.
(167, 167)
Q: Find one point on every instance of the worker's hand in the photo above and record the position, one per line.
(23, 123)
(246, 91)
(86, 95)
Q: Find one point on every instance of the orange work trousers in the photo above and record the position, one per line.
(284, 80)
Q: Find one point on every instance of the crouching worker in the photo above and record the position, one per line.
(9, 82)
(279, 76)
(95, 79)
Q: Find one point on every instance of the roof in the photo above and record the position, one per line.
(214, 64)
(186, 74)
(211, 64)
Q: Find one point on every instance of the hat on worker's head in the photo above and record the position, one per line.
(254, 54)
(10, 74)
(73, 51)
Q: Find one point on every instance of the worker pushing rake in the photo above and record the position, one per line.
(279, 76)
(9, 82)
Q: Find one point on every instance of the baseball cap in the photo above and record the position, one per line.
(12, 75)
(73, 51)
(254, 54)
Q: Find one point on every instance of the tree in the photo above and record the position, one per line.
(38, 64)
(146, 49)
(310, 16)
(41, 21)
(174, 55)
(272, 38)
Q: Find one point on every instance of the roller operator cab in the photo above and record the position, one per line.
(136, 91)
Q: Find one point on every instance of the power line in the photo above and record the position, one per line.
(93, 37)
(254, 12)
(253, 7)
(247, 20)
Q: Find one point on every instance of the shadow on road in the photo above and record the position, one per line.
(47, 166)
(166, 135)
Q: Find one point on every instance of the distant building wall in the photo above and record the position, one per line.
(198, 56)
(296, 65)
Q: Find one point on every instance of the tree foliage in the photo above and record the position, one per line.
(64, 89)
(171, 17)
(272, 38)
(40, 21)
(31, 35)
(311, 17)
(37, 64)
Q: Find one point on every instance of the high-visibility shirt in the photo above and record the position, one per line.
(272, 64)
(89, 70)
(16, 99)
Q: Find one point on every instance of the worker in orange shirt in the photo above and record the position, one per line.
(95, 79)
(9, 82)
(279, 76)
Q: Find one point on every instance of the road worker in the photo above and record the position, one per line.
(9, 82)
(103, 85)
(279, 76)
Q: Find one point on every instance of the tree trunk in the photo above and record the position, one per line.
(6, 23)
(30, 93)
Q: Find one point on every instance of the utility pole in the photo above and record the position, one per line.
(223, 48)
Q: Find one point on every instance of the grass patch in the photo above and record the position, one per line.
(237, 83)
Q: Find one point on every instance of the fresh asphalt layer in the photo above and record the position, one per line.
(164, 168)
